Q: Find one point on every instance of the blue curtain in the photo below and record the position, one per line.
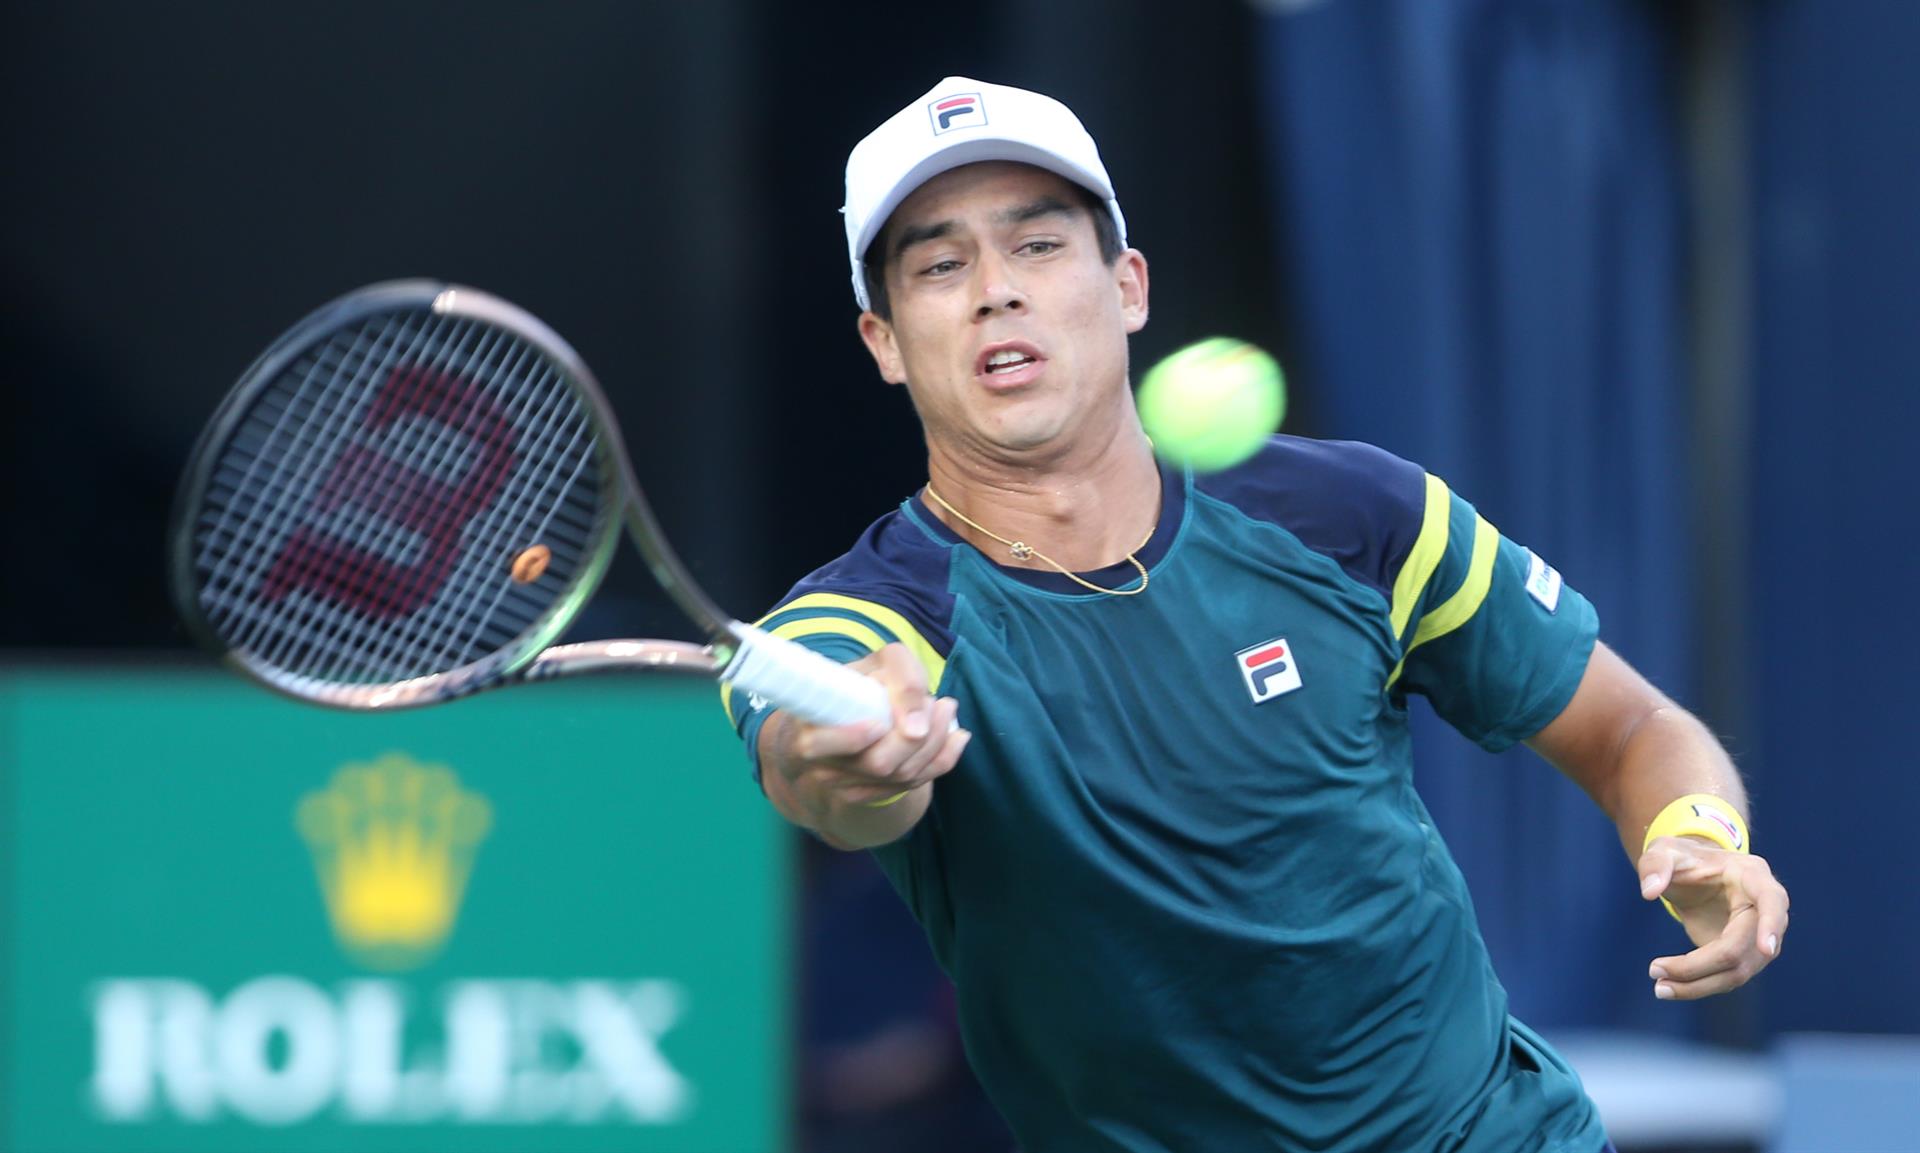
(1482, 228)
(1836, 408)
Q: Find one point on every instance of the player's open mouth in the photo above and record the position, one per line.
(1009, 363)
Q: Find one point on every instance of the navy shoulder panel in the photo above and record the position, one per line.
(1360, 505)
(895, 565)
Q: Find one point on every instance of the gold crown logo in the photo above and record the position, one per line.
(393, 841)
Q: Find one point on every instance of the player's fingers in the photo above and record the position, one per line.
(1656, 869)
(1716, 956)
(1709, 867)
(1728, 962)
(903, 759)
(1771, 902)
(950, 750)
(951, 745)
(823, 742)
(1723, 981)
(894, 755)
(906, 681)
(1672, 861)
(942, 748)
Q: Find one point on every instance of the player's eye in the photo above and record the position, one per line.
(940, 268)
(1039, 247)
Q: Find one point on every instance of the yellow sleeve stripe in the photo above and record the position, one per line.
(886, 618)
(881, 615)
(835, 626)
(1459, 608)
(1428, 548)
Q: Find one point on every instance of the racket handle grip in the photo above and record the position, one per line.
(801, 681)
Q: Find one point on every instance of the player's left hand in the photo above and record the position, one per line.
(1731, 906)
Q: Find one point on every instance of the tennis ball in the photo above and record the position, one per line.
(1212, 404)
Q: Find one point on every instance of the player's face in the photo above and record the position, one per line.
(1008, 328)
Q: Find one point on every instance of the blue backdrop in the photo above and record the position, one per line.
(1837, 298)
(1483, 226)
(1482, 218)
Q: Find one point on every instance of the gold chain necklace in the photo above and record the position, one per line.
(1021, 550)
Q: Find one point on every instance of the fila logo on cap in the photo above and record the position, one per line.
(1269, 669)
(962, 110)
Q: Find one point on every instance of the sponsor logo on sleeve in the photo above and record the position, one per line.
(1543, 582)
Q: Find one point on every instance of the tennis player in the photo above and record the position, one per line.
(1148, 786)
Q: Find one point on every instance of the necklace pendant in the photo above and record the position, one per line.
(1021, 550)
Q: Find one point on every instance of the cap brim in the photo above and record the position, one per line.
(973, 151)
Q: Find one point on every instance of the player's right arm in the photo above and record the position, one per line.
(864, 784)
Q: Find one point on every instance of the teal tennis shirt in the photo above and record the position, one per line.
(1180, 878)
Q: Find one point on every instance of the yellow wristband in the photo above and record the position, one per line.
(1698, 815)
(883, 802)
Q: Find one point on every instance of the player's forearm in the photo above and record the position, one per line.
(1667, 753)
(810, 800)
(1633, 750)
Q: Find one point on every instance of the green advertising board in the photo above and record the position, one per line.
(536, 921)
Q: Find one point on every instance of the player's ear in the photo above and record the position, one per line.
(877, 334)
(1130, 277)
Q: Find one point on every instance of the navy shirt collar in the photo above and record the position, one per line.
(1173, 507)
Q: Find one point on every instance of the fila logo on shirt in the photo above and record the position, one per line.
(961, 110)
(1269, 669)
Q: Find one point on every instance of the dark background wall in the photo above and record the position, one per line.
(660, 182)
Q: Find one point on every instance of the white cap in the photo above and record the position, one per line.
(961, 121)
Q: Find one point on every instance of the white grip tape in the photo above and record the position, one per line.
(801, 681)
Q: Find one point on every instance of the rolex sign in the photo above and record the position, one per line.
(543, 920)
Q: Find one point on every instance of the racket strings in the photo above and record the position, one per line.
(295, 524)
(536, 516)
(378, 647)
(239, 488)
(473, 614)
(301, 525)
(430, 633)
(440, 632)
(472, 622)
(252, 528)
(556, 436)
(363, 518)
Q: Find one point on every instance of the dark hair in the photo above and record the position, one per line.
(873, 268)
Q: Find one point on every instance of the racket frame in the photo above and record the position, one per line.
(789, 674)
(304, 337)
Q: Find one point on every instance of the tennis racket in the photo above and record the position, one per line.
(411, 495)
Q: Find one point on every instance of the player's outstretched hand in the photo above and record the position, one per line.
(866, 764)
(1731, 905)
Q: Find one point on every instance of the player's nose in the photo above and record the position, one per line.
(997, 285)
